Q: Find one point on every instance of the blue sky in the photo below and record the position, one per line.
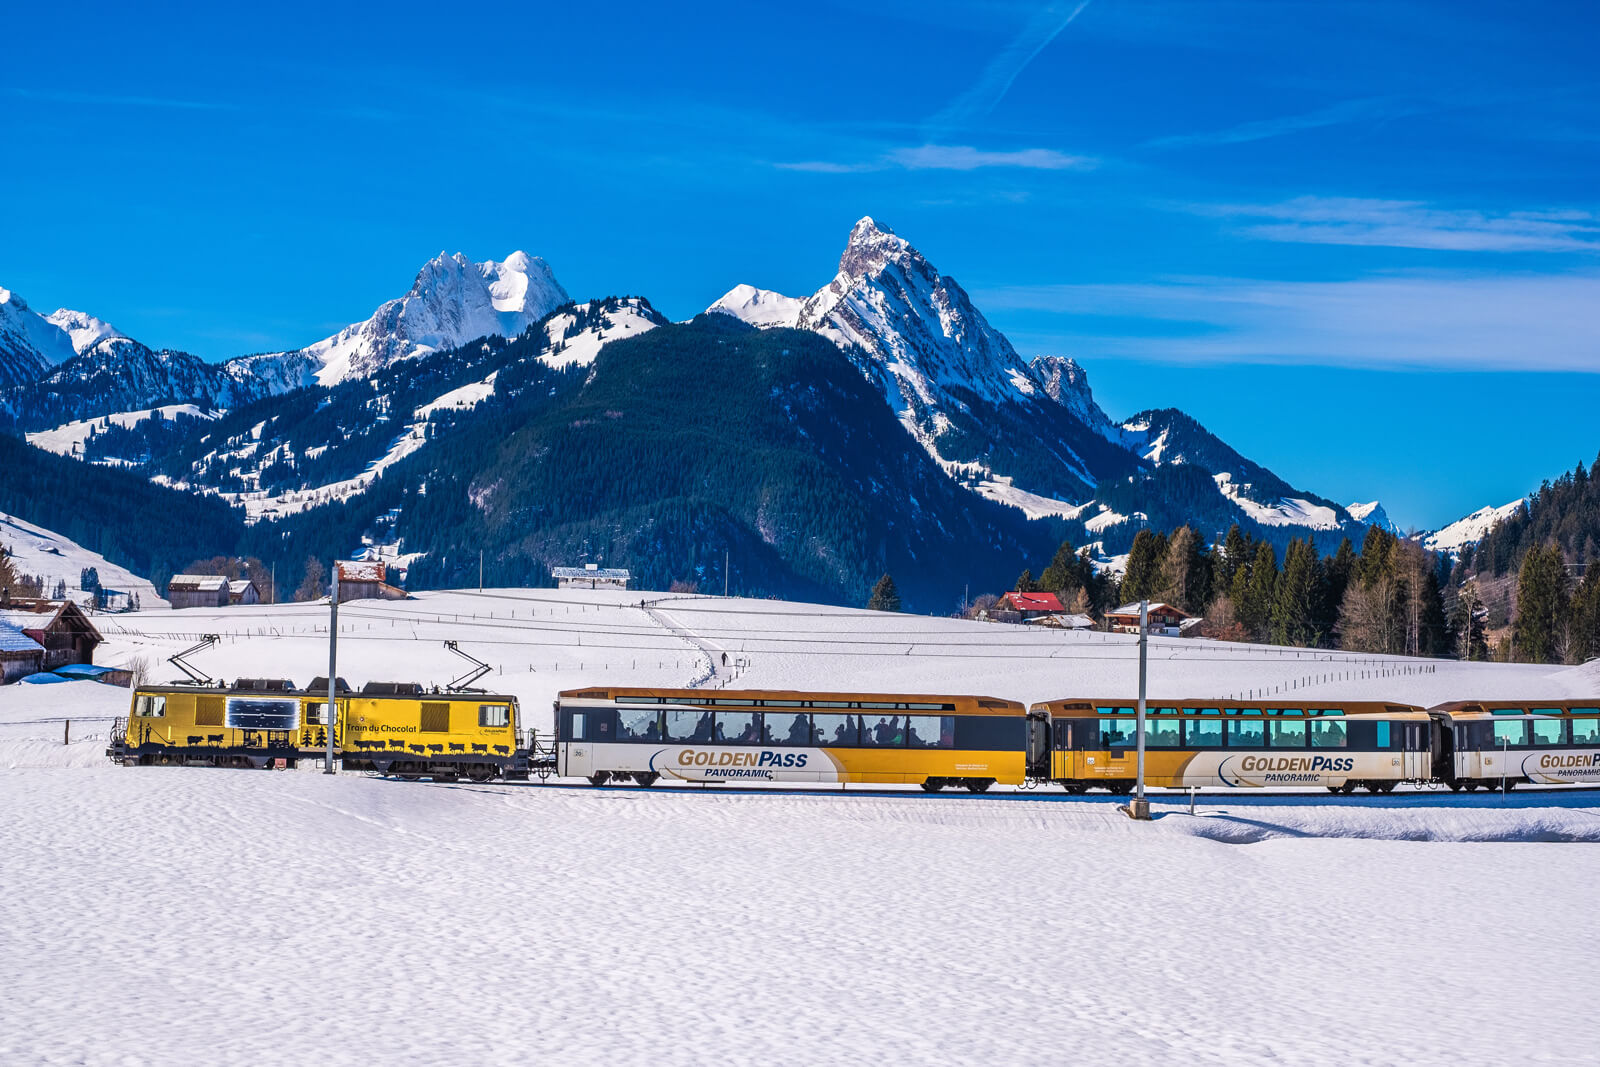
(1359, 241)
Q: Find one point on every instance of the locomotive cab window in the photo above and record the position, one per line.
(494, 715)
(317, 713)
(151, 707)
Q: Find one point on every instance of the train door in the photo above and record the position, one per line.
(574, 745)
(1416, 753)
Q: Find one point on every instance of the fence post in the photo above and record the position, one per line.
(66, 732)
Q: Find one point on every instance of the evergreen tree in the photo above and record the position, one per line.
(1143, 577)
(1063, 576)
(1237, 553)
(10, 580)
(1585, 617)
(1291, 618)
(1538, 635)
(1255, 610)
(1467, 624)
(884, 596)
(1025, 582)
(1186, 577)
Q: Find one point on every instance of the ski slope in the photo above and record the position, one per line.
(185, 915)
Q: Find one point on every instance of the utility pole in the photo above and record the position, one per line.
(480, 570)
(1139, 807)
(332, 716)
(724, 572)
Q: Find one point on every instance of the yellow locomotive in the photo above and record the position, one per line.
(397, 728)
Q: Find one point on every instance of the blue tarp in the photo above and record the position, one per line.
(45, 678)
(82, 670)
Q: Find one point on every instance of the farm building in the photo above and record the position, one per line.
(1165, 620)
(591, 576)
(59, 628)
(20, 655)
(243, 591)
(1025, 607)
(198, 591)
(366, 580)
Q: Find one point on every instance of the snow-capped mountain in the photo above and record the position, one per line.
(31, 343)
(1470, 529)
(452, 301)
(758, 307)
(1372, 514)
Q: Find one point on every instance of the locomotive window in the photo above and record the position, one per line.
(1586, 731)
(150, 707)
(1549, 732)
(1512, 733)
(931, 731)
(786, 728)
(638, 725)
(1200, 733)
(317, 713)
(1288, 734)
(738, 727)
(1327, 734)
(834, 730)
(1163, 733)
(494, 715)
(689, 726)
(1246, 733)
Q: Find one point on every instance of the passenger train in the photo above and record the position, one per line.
(645, 735)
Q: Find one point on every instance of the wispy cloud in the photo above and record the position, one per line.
(949, 157)
(118, 100)
(1411, 224)
(1002, 71)
(1259, 130)
(1436, 321)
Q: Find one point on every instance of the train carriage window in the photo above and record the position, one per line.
(889, 731)
(1163, 733)
(783, 703)
(1287, 733)
(989, 733)
(636, 724)
(831, 704)
(149, 706)
(494, 715)
(688, 727)
(1584, 711)
(1382, 739)
(1586, 731)
(1203, 733)
(738, 728)
(834, 730)
(638, 700)
(786, 728)
(1242, 711)
(931, 731)
(1512, 733)
(575, 727)
(1119, 733)
(1246, 733)
(931, 707)
(1549, 732)
(1326, 733)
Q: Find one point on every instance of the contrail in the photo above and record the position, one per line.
(997, 78)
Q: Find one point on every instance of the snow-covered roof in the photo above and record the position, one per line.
(361, 571)
(12, 639)
(239, 586)
(618, 574)
(197, 583)
(1155, 606)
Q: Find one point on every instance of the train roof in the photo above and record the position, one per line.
(286, 688)
(1470, 709)
(966, 704)
(1068, 706)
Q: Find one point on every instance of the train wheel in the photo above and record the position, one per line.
(979, 785)
(647, 779)
(1388, 787)
(600, 778)
(1455, 787)
(1470, 786)
(1511, 783)
(409, 777)
(933, 785)
(1348, 787)
(1374, 787)
(481, 773)
(1122, 789)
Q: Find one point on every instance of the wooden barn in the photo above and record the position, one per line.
(243, 591)
(198, 591)
(62, 631)
(366, 580)
(20, 655)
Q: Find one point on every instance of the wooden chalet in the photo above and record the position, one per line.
(366, 580)
(60, 629)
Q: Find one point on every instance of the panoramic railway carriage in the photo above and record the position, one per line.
(724, 736)
(1093, 744)
(1490, 743)
(389, 727)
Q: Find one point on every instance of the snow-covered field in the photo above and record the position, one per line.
(178, 915)
(44, 553)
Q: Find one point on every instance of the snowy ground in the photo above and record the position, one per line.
(46, 554)
(180, 915)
